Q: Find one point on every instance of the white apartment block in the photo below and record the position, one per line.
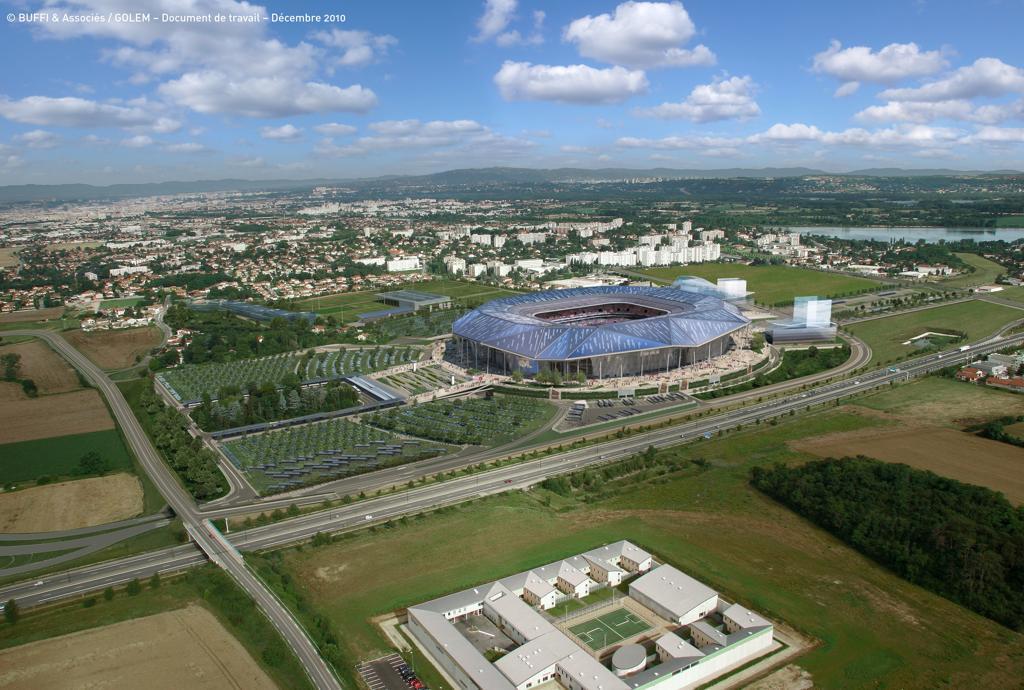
(407, 263)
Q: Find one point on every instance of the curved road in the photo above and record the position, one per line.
(522, 475)
(184, 506)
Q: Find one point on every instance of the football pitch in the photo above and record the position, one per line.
(620, 624)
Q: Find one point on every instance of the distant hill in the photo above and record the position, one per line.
(476, 177)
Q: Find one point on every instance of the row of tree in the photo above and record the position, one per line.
(962, 541)
(195, 464)
(267, 403)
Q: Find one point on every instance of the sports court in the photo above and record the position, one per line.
(609, 628)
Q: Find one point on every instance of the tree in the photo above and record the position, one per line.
(134, 587)
(108, 593)
(517, 376)
(92, 463)
(11, 612)
(154, 582)
(11, 363)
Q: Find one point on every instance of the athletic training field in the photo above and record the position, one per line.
(609, 628)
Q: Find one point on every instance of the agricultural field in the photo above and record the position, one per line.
(50, 372)
(887, 335)
(467, 421)
(346, 306)
(116, 349)
(189, 631)
(58, 456)
(27, 419)
(931, 416)
(321, 451)
(772, 285)
(947, 452)
(880, 631)
(70, 505)
(29, 315)
(423, 380)
(985, 272)
(191, 382)
(8, 257)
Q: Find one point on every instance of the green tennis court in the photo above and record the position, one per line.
(609, 628)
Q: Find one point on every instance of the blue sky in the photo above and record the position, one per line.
(418, 86)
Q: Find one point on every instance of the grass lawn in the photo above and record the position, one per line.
(876, 630)
(1016, 221)
(346, 306)
(58, 455)
(887, 335)
(121, 302)
(772, 285)
(985, 272)
(206, 586)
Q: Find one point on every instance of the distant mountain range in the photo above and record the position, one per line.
(450, 178)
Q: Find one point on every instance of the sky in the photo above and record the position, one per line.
(111, 91)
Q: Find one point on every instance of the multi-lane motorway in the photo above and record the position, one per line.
(206, 540)
(521, 475)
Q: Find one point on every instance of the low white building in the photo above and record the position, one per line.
(674, 595)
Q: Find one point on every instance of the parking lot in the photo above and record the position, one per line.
(383, 673)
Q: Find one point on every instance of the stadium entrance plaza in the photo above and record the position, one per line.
(659, 628)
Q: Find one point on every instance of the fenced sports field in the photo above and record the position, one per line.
(609, 628)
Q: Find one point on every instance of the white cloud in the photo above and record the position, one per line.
(985, 77)
(495, 19)
(640, 35)
(137, 142)
(166, 125)
(921, 112)
(73, 112)
(229, 68)
(723, 99)
(893, 63)
(335, 129)
(359, 48)
(513, 37)
(37, 139)
(522, 81)
(997, 135)
(466, 136)
(11, 162)
(187, 147)
(215, 92)
(287, 132)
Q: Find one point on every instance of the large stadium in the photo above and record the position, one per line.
(604, 332)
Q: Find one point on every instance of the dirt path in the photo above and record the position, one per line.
(187, 648)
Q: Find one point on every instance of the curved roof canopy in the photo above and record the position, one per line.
(686, 319)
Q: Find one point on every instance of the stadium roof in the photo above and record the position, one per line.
(689, 319)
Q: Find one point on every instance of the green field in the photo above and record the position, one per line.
(985, 272)
(1016, 221)
(346, 306)
(879, 631)
(609, 628)
(121, 302)
(772, 285)
(57, 456)
(887, 335)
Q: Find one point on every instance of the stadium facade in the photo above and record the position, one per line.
(604, 332)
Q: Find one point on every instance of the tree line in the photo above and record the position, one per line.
(266, 402)
(961, 541)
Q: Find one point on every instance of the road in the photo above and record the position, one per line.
(183, 505)
(75, 583)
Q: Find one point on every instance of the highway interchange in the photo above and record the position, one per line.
(77, 582)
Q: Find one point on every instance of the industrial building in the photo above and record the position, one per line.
(603, 332)
(811, 322)
(699, 636)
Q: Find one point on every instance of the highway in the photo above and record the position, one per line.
(182, 504)
(363, 513)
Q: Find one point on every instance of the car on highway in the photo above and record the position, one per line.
(367, 517)
(508, 481)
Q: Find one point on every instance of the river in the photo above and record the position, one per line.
(914, 234)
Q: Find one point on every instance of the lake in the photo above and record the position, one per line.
(915, 234)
